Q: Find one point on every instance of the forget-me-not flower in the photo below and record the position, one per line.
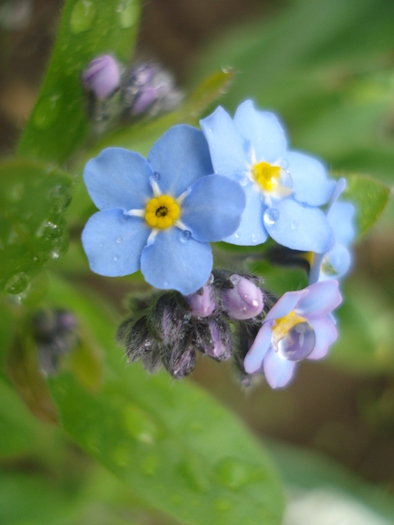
(297, 327)
(160, 214)
(336, 262)
(283, 188)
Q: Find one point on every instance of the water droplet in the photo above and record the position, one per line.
(255, 302)
(82, 16)
(46, 111)
(284, 163)
(156, 176)
(234, 473)
(185, 235)
(192, 469)
(235, 278)
(255, 238)
(271, 215)
(236, 235)
(119, 240)
(17, 283)
(121, 456)
(116, 258)
(294, 225)
(16, 192)
(296, 343)
(140, 425)
(54, 254)
(128, 11)
(150, 464)
(244, 181)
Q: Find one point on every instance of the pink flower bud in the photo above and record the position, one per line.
(201, 304)
(102, 76)
(244, 300)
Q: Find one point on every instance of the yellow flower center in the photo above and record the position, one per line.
(162, 212)
(284, 324)
(266, 176)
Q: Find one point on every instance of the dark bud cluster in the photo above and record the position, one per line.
(117, 94)
(55, 333)
(172, 328)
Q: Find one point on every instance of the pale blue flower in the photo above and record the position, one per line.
(160, 214)
(283, 188)
(297, 327)
(337, 261)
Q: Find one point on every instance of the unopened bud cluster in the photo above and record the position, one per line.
(117, 93)
(175, 327)
(55, 333)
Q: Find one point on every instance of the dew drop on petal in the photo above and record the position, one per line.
(119, 240)
(116, 258)
(297, 344)
(156, 176)
(294, 225)
(271, 215)
(186, 236)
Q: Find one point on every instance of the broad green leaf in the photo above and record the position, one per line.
(32, 228)
(59, 122)
(313, 479)
(175, 446)
(370, 198)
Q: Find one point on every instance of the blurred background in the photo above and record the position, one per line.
(327, 68)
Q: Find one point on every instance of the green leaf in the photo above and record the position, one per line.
(59, 122)
(370, 198)
(32, 228)
(175, 446)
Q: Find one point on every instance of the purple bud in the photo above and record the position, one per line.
(244, 300)
(146, 97)
(219, 350)
(201, 304)
(102, 76)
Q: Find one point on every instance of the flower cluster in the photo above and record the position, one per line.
(236, 181)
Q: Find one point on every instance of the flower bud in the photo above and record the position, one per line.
(143, 101)
(243, 300)
(180, 360)
(136, 337)
(214, 339)
(102, 76)
(201, 302)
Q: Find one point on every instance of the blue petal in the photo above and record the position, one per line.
(339, 259)
(341, 217)
(113, 242)
(286, 304)
(175, 261)
(230, 152)
(326, 334)
(118, 178)
(310, 183)
(263, 130)
(254, 358)
(277, 371)
(213, 208)
(298, 227)
(180, 157)
(251, 229)
(321, 299)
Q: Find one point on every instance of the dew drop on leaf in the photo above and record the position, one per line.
(46, 111)
(128, 13)
(82, 16)
(17, 283)
(139, 425)
(234, 473)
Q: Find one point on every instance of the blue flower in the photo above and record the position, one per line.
(297, 327)
(283, 188)
(160, 214)
(336, 262)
